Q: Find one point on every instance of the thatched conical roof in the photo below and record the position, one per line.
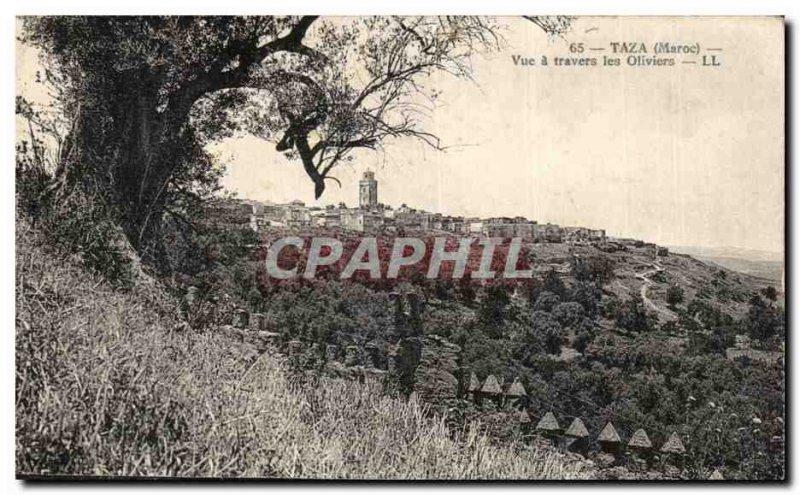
(577, 429)
(516, 389)
(609, 434)
(474, 384)
(673, 445)
(523, 417)
(716, 476)
(640, 440)
(491, 386)
(548, 423)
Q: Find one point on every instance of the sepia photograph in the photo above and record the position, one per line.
(530, 248)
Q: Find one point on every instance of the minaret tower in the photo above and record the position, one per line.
(368, 191)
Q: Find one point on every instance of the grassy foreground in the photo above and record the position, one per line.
(105, 387)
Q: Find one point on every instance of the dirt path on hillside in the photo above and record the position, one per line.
(646, 283)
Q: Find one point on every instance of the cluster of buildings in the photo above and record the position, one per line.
(576, 436)
(372, 216)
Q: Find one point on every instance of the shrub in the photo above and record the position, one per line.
(568, 314)
(598, 268)
(588, 295)
(552, 283)
(546, 301)
(546, 329)
(633, 317)
(674, 296)
(584, 334)
(764, 320)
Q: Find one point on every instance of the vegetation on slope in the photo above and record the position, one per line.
(108, 385)
(584, 343)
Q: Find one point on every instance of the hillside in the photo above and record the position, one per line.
(762, 264)
(110, 383)
(620, 332)
(639, 270)
(770, 270)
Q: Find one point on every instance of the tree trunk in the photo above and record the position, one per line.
(151, 147)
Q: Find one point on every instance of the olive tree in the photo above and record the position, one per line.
(143, 96)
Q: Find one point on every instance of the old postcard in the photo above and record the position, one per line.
(400, 248)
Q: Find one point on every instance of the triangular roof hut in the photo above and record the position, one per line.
(548, 423)
(516, 389)
(609, 434)
(474, 384)
(716, 476)
(673, 445)
(640, 440)
(491, 386)
(577, 429)
(523, 417)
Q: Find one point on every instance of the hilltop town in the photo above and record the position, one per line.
(371, 216)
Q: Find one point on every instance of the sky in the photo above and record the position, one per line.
(680, 155)
(684, 155)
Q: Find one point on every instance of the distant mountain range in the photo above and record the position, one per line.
(764, 264)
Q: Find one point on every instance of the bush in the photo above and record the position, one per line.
(82, 228)
(588, 295)
(764, 320)
(633, 317)
(609, 307)
(584, 334)
(546, 301)
(598, 268)
(568, 314)
(674, 296)
(552, 283)
(493, 305)
(546, 329)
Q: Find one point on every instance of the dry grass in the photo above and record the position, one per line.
(104, 387)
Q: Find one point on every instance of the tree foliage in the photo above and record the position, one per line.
(632, 316)
(674, 295)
